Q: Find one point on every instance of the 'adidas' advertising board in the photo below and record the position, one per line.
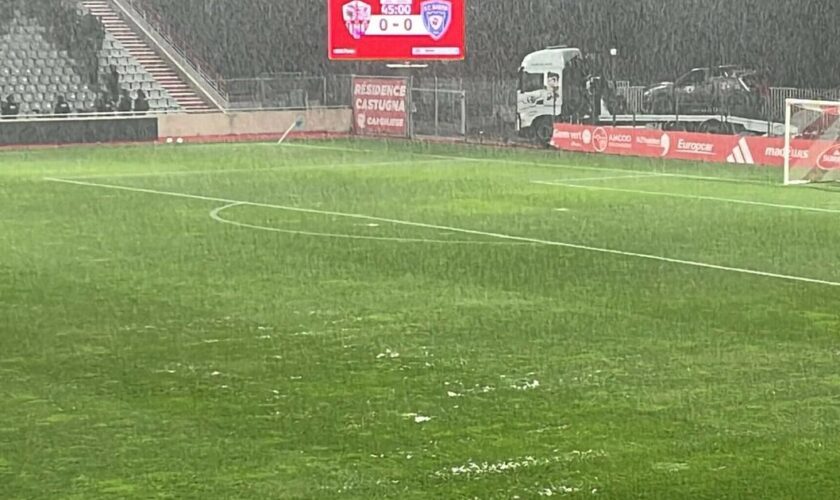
(733, 149)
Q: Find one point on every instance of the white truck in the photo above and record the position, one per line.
(540, 103)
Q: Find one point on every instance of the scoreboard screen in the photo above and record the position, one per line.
(396, 30)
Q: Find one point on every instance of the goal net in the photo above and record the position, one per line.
(812, 141)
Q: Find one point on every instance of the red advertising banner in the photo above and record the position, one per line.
(380, 106)
(396, 30)
(745, 150)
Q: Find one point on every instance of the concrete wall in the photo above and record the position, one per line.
(253, 125)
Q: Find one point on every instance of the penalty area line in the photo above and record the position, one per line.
(595, 179)
(543, 164)
(215, 214)
(474, 232)
(667, 194)
(279, 168)
(564, 166)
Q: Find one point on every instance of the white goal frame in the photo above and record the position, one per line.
(789, 131)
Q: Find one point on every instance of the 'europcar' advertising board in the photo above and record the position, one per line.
(396, 30)
(743, 150)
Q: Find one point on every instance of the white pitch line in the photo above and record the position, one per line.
(693, 197)
(563, 166)
(324, 148)
(607, 178)
(214, 214)
(174, 173)
(508, 237)
(511, 161)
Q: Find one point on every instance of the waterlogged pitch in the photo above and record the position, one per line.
(369, 320)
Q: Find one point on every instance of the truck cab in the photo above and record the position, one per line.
(539, 93)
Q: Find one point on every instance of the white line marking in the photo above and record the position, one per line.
(508, 237)
(693, 197)
(511, 161)
(598, 169)
(214, 214)
(608, 178)
(325, 148)
(295, 168)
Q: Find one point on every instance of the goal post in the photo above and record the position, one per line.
(812, 142)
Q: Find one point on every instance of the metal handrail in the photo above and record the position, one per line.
(154, 113)
(195, 61)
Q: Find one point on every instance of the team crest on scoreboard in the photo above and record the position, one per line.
(357, 16)
(437, 17)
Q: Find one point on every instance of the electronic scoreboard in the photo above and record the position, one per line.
(392, 30)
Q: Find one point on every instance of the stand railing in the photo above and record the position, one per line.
(213, 77)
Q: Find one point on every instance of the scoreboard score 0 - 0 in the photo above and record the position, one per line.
(396, 30)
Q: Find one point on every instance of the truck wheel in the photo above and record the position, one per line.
(543, 131)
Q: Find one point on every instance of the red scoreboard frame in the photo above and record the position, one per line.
(396, 30)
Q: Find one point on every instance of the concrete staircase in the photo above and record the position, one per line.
(153, 63)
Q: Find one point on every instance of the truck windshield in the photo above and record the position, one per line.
(529, 82)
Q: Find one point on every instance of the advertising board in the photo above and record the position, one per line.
(744, 150)
(380, 106)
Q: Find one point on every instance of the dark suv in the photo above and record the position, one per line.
(722, 89)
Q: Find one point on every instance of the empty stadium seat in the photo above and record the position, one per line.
(35, 72)
(132, 75)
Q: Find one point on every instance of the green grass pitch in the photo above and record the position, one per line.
(367, 320)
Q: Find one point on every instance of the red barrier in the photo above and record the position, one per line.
(746, 150)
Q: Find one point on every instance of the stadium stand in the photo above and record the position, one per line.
(52, 48)
(133, 76)
(247, 38)
(35, 73)
(142, 66)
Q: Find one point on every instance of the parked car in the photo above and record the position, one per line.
(722, 89)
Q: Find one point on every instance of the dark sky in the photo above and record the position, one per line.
(796, 41)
